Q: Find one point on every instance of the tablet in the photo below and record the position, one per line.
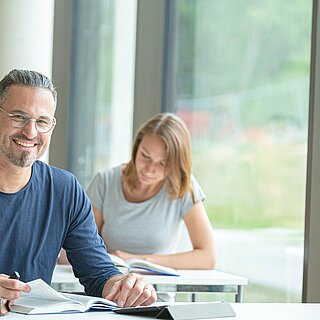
(151, 311)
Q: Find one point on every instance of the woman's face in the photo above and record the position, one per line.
(151, 160)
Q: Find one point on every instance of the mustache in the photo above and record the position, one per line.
(23, 137)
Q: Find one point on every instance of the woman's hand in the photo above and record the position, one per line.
(125, 255)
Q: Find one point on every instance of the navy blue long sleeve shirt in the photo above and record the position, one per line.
(50, 212)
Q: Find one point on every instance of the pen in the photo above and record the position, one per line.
(15, 275)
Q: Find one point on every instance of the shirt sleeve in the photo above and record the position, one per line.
(85, 249)
(96, 189)
(187, 201)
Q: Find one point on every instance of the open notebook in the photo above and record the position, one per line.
(142, 266)
(44, 299)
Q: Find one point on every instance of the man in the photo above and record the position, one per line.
(43, 208)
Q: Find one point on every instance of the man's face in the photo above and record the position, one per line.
(22, 146)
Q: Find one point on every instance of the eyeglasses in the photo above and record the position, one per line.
(21, 120)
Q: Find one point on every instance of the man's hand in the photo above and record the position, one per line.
(129, 290)
(10, 289)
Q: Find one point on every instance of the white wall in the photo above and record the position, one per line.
(26, 36)
(26, 32)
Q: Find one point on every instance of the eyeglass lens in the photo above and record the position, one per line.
(42, 124)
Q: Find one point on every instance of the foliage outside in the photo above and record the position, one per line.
(242, 83)
(242, 86)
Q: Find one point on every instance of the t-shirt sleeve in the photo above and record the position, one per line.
(96, 189)
(187, 201)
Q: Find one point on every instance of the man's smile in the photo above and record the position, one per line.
(25, 143)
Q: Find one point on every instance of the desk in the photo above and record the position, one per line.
(244, 311)
(194, 281)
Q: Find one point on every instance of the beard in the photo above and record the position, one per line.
(24, 158)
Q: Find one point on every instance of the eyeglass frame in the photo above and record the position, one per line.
(10, 115)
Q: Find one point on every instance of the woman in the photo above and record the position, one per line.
(139, 207)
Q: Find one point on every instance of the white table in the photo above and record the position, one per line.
(244, 311)
(194, 281)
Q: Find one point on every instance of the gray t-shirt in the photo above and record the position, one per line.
(149, 227)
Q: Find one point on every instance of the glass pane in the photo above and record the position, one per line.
(241, 82)
(102, 85)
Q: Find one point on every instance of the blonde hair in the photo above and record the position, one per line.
(174, 133)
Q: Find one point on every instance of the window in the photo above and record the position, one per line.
(102, 78)
(239, 77)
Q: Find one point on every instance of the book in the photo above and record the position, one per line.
(43, 299)
(142, 266)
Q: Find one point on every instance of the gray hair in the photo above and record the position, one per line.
(26, 78)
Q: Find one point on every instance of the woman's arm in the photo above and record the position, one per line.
(98, 217)
(202, 256)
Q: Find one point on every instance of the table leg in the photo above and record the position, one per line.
(239, 294)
